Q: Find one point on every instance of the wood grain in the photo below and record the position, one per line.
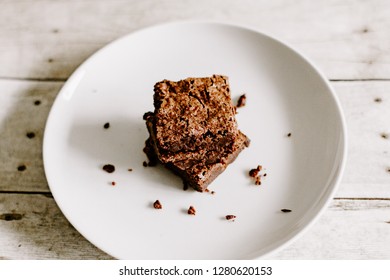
(19, 116)
(49, 39)
(40, 231)
(366, 106)
(349, 229)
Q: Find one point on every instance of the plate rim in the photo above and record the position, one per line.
(340, 159)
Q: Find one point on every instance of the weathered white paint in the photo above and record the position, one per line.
(49, 39)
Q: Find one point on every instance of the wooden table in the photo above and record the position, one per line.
(42, 42)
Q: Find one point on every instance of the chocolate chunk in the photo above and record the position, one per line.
(157, 204)
(230, 217)
(253, 172)
(109, 168)
(191, 210)
(241, 101)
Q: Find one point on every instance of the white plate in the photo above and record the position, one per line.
(285, 93)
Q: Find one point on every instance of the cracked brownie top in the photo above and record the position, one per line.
(193, 114)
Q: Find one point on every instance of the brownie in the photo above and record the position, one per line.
(193, 113)
(193, 130)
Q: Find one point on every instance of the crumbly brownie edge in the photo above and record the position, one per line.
(212, 171)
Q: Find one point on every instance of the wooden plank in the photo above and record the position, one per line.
(24, 109)
(32, 227)
(366, 106)
(349, 229)
(366, 173)
(48, 39)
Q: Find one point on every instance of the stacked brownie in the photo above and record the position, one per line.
(193, 130)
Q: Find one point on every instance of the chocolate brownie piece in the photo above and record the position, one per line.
(198, 172)
(153, 152)
(199, 169)
(193, 113)
(193, 131)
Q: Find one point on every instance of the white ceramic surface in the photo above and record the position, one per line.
(285, 94)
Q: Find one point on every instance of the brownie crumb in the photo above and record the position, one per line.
(191, 210)
(241, 101)
(30, 135)
(230, 217)
(37, 102)
(157, 204)
(208, 191)
(130, 169)
(265, 174)
(22, 167)
(286, 210)
(109, 168)
(378, 99)
(289, 134)
(145, 164)
(384, 135)
(113, 183)
(255, 171)
(147, 115)
(106, 125)
(255, 174)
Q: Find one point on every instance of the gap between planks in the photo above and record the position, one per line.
(361, 198)
(359, 80)
(47, 194)
(59, 80)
